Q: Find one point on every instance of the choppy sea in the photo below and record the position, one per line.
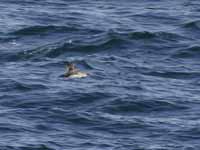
(143, 88)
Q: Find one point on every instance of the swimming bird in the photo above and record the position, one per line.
(73, 72)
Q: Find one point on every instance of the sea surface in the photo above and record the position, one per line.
(143, 88)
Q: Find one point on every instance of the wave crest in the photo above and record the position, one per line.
(145, 35)
(191, 52)
(192, 24)
(38, 30)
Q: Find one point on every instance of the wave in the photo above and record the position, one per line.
(141, 35)
(93, 44)
(192, 24)
(128, 106)
(145, 35)
(4, 39)
(38, 30)
(174, 75)
(67, 48)
(12, 84)
(191, 52)
(137, 35)
(28, 147)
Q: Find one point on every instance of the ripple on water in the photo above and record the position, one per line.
(142, 91)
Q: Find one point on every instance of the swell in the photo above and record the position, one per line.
(192, 24)
(146, 35)
(38, 30)
(143, 106)
(14, 85)
(174, 75)
(171, 73)
(94, 44)
(4, 39)
(191, 52)
(136, 35)
(191, 132)
(63, 48)
(28, 147)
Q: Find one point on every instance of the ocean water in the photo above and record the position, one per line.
(143, 88)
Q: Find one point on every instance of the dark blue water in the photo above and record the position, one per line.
(143, 88)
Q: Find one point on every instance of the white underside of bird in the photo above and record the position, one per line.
(78, 75)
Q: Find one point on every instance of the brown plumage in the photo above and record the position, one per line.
(72, 71)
